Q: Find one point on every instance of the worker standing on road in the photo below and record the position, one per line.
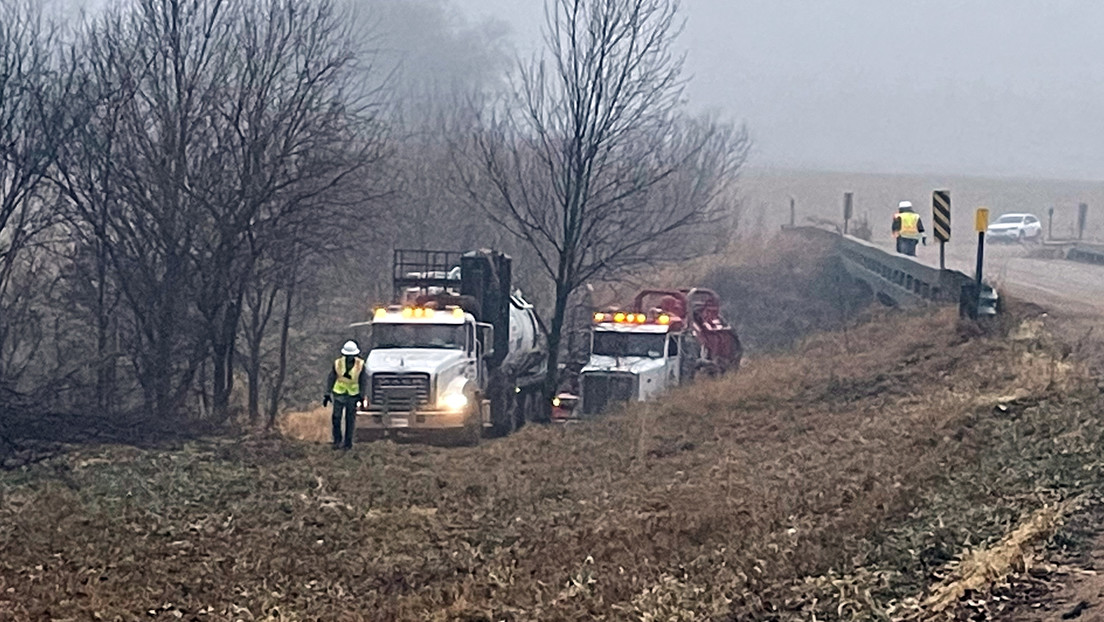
(908, 229)
(345, 385)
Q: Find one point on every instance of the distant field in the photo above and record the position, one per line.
(841, 479)
(767, 199)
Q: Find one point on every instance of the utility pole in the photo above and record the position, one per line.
(848, 207)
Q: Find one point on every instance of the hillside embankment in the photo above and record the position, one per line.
(893, 470)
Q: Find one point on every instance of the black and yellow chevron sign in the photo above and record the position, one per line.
(941, 214)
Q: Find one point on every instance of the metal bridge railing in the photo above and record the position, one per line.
(905, 274)
(1087, 253)
(902, 279)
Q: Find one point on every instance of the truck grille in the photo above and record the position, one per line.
(601, 389)
(400, 390)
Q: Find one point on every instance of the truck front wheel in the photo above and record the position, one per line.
(471, 434)
(540, 409)
(526, 402)
(506, 404)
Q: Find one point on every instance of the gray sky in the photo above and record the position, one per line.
(981, 87)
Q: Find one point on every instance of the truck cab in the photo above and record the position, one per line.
(458, 351)
(665, 339)
(633, 357)
(427, 368)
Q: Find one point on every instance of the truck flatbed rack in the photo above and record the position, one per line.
(424, 269)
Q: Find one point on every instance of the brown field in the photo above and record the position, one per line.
(766, 198)
(839, 481)
(863, 465)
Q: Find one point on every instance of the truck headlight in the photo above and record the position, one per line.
(454, 401)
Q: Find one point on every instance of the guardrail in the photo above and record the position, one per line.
(904, 276)
(895, 279)
(1088, 253)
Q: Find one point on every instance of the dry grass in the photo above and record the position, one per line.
(835, 482)
(312, 426)
(987, 566)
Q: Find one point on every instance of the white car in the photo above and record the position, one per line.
(1015, 228)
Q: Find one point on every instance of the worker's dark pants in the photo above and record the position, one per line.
(907, 246)
(346, 404)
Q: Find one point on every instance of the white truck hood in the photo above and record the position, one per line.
(1005, 226)
(631, 364)
(406, 360)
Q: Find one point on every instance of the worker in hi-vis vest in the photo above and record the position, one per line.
(908, 229)
(345, 385)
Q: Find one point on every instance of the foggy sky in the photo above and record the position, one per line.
(977, 87)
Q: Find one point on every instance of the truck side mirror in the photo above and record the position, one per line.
(362, 334)
(486, 336)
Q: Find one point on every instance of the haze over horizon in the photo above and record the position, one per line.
(1006, 88)
(986, 88)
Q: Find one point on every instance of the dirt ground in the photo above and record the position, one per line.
(1078, 592)
(899, 467)
(848, 479)
(1070, 585)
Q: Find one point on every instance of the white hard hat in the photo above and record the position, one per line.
(350, 349)
(904, 204)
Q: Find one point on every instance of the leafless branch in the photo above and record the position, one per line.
(591, 160)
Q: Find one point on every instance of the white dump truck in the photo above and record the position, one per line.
(456, 353)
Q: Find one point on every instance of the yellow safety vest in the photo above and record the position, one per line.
(350, 385)
(910, 225)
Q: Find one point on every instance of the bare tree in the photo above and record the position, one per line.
(35, 120)
(268, 298)
(276, 297)
(84, 176)
(308, 143)
(590, 159)
(221, 133)
(156, 74)
(316, 238)
(292, 137)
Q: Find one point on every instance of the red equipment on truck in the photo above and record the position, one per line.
(664, 340)
(700, 309)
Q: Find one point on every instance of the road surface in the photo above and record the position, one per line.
(1055, 284)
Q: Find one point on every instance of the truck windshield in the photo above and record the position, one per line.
(449, 336)
(608, 343)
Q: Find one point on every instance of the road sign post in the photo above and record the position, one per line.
(1050, 222)
(847, 209)
(1082, 216)
(941, 222)
(981, 223)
